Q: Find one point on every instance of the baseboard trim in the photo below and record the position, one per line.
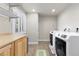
(33, 43)
(42, 40)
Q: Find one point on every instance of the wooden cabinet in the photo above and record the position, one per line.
(7, 50)
(21, 47)
(25, 46)
(16, 48)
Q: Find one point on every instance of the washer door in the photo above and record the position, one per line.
(60, 47)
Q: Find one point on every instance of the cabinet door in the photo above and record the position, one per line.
(20, 47)
(7, 50)
(25, 46)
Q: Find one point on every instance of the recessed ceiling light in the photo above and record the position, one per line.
(53, 10)
(33, 10)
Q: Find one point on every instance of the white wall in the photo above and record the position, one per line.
(32, 27)
(4, 6)
(4, 24)
(69, 18)
(46, 24)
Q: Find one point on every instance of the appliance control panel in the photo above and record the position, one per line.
(64, 36)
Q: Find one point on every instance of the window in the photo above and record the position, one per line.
(18, 24)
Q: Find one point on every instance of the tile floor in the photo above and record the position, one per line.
(41, 45)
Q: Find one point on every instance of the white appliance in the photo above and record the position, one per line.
(51, 38)
(71, 45)
(71, 40)
(51, 43)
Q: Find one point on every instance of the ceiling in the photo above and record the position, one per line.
(44, 8)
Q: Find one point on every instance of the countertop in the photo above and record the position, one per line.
(6, 39)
